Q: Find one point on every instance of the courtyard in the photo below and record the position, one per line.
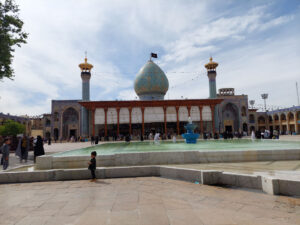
(146, 200)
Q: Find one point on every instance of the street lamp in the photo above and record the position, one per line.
(264, 97)
(252, 102)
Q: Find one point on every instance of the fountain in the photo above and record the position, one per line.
(190, 137)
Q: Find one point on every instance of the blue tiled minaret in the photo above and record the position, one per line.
(212, 74)
(85, 76)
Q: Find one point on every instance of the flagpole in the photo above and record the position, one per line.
(297, 93)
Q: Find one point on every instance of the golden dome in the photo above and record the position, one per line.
(85, 65)
(211, 65)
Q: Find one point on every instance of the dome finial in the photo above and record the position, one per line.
(211, 65)
(85, 66)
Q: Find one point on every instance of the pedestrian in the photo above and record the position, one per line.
(39, 147)
(18, 150)
(49, 141)
(5, 153)
(96, 140)
(24, 149)
(92, 165)
(92, 140)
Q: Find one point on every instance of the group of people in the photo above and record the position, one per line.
(22, 149)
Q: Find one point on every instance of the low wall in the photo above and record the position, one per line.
(209, 177)
(163, 158)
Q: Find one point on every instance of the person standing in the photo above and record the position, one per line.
(92, 140)
(5, 153)
(49, 141)
(39, 147)
(92, 165)
(23, 149)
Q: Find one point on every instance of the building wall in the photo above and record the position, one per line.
(239, 115)
(58, 109)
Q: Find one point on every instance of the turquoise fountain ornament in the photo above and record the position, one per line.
(190, 137)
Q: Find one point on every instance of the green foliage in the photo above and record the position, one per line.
(10, 128)
(11, 35)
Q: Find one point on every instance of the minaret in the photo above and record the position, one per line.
(211, 73)
(85, 76)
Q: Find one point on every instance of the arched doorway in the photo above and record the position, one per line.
(230, 117)
(261, 123)
(291, 121)
(70, 123)
(245, 127)
(284, 126)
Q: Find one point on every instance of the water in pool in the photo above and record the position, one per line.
(202, 145)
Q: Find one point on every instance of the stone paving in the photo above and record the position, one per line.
(148, 200)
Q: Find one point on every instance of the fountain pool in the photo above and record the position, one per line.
(201, 145)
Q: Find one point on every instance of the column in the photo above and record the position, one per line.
(165, 120)
(130, 109)
(288, 123)
(93, 121)
(212, 107)
(280, 124)
(177, 116)
(296, 122)
(118, 123)
(61, 125)
(201, 119)
(143, 119)
(105, 126)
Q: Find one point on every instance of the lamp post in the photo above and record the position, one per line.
(264, 97)
(252, 102)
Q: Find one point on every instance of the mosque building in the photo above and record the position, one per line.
(222, 111)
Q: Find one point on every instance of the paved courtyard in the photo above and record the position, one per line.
(276, 169)
(148, 200)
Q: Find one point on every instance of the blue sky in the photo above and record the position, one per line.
(256, 44)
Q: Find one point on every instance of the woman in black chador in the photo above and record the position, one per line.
(39, 147)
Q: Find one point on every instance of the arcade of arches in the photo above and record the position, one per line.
(287, 122)
(143, 117)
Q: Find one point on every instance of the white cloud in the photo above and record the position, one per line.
(186, 33)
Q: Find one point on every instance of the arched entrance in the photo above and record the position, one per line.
(245, 127)
(56, 133)
(230, 118)
(70, 123)
(261, 123)
(291, 122)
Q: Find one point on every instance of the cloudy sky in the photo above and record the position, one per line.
(256, 44)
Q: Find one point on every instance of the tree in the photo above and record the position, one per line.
(11, 128)
(11, 35)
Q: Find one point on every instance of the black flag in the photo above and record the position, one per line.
(153, 55)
